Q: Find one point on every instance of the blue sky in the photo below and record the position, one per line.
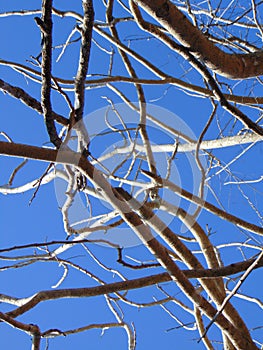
(40, 221)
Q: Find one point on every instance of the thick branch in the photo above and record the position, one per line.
(143, 232)
(200, 68)
(28, 100)
(86, 34)
(233, 66)
(45, 25)
(206, 205)
(33, 330)
(72, 158)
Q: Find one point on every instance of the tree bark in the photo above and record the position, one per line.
(232, 66)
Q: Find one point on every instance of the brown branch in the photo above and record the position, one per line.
(86, 35)
(72, 158)
(206, 205)
(135, 267)
(201, 328)
(130, 285)
(212, 287)
(52, 333)
(165, 79)
(45, 25)
(237, 286)
(228, 270)
(231, 324)
(233, 66)
(28, 100)
(136, 283)
(187, 54)
(240, 339)
(28, 328)
(140, 93)
(39, 181)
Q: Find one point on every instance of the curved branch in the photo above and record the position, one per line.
(233, 66)
(137, 283)
(204, 204)
(28, 100)
(187, 54)
(143, 232)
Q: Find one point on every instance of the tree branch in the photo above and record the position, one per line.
(45, 25)
(233, 66)
(30, 101)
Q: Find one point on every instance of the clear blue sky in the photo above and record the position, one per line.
(21, 223)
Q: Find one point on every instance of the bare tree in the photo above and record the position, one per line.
(152, 115)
